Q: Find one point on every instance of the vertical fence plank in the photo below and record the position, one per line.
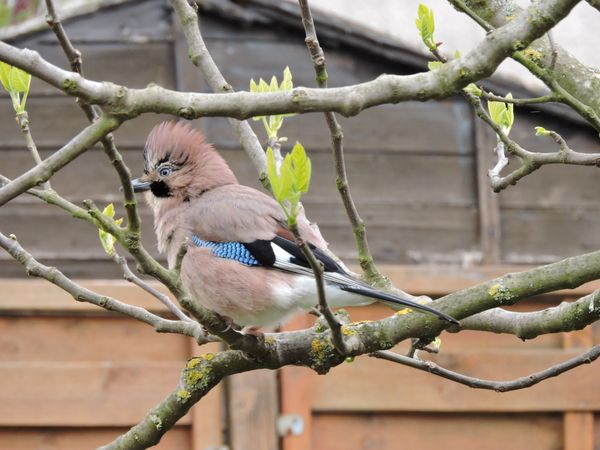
(253, 410)
(296, 393)
(207, 415)
(579, 426)
(489, 209)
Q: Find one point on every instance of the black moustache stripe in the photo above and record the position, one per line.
(160, 189)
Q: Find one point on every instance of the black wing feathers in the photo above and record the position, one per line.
(262, 251)
(265, 255)
(379, 295)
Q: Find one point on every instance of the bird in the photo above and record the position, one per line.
(242, 261)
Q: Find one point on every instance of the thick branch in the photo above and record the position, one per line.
(498, 386)
(575, 84)
(314, 349)
(568, 316)
(348, 101)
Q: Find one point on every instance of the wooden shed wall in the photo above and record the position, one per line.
(417, 171)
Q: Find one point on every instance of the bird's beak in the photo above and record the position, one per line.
(140, 185)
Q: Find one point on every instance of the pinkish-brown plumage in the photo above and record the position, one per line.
(194, 195)
(201, 167)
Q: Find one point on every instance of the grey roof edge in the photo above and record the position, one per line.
(72, 10)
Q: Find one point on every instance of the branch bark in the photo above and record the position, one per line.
(75, 147)
(350, 100)
(498, 386)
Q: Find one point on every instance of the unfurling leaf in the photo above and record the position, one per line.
(273, 123)
(502, 114)
(292, 180)
(16, 82)
(106, 239)
(302, 168)
(426, 26)
(473, 89)
(541, 131)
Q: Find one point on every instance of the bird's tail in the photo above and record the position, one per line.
(394, 299)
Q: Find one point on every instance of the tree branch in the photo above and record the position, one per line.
(350, 100)
(108, 141)
(572, 81)
(365, 258)
(498, 386)
(530, 161)
(75, 147)
(568, 316)
(201, 58)
(79, 293)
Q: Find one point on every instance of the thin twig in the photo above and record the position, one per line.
(108, 142)
(498, 386)
(365, 258)
(337, 338)
(552, 97)
(79, 293)
(133, 278)
(23, 121)
(71, 150)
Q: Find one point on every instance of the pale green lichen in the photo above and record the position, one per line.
(198, 373)
(533, 55)
(403, 311)
(320, 352)
(157, 421)
(183, 395)
(500, 293)
(347, 331)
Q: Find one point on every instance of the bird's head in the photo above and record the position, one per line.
(179, 164)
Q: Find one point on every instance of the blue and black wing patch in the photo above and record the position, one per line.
(235, 251)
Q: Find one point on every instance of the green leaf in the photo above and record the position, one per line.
(253, 85)
(109, 210)
(273, 87)
(302, 168)
(287, 83)
(263, 86)
(108, 242)
(541, 131)
(19, 80)
(5, 15)
(434, 65)
(426, 25)
(286, 174)
(473, 89)
(4, 71)
(502, 114)
(106, 239)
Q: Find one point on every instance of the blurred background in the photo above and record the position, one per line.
(75, 377)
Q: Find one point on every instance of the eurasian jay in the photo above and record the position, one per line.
(242, 261)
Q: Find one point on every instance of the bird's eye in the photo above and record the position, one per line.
(164, 172)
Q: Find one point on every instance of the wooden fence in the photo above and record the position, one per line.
(74, 377)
